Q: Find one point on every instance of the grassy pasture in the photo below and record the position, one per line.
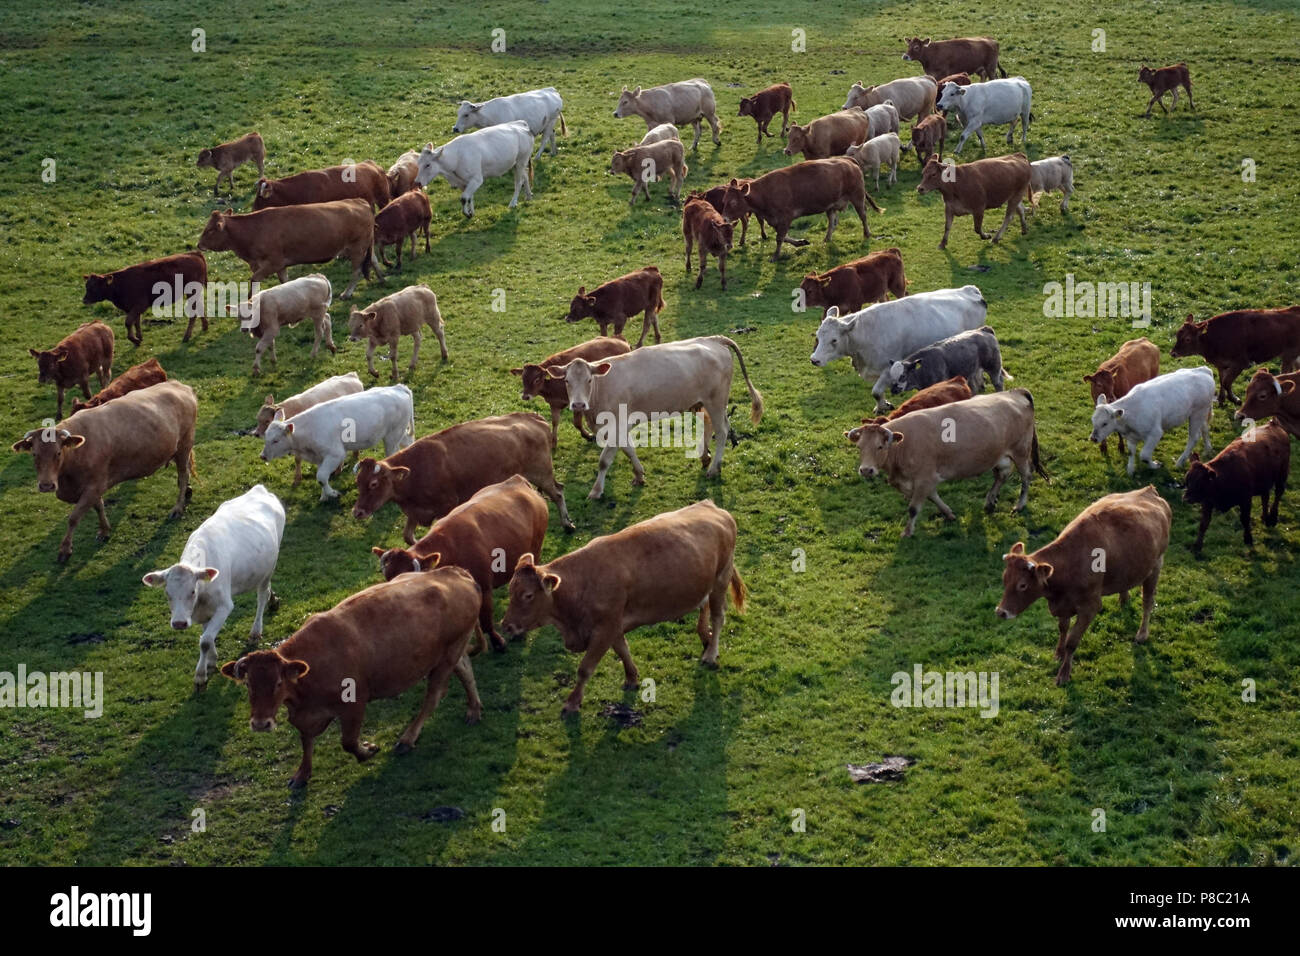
(1156, 736)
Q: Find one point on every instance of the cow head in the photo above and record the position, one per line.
(1024, 581)
(467, 117)
(360, 323)
(832, 337)
(735, 201)
(580, 380)
(205, 159)
(48, 363)
(1102, 383)
(950, 97)
(723, 232)
(534, 380)
(916, 48)
(47, 447)
(376, 481)
(874, 443)
(1199, 482)
(277, 440)
(858, 93)
(183, 583)
(1105, 419)
(271, 678)
(797, 141)
(214, 237)
(900, 375)
(623, 162)
(1264, 395)
(98, 288)
(531, 598)
(1187, 341)
(627, 102)
(932, 177)
(429, 165)
(268, 413)
(581, 306)
(747, 104)
(397, 561)
(814, 289)
(1146, 74)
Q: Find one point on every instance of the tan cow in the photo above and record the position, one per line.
(227, 157)
(657, 570)
(1114, 545)
(828, 136)
(917, 451)
(134, 436)
(347, 181)
(1138, 360)
(536, 382)
(649, 163)
(85, 351)
(401, 175)
(973, 188)
(402, 313)
(687, 101)
(335, 387)
(878, 151)
(913, 96)
(704, 227)
(284, 306)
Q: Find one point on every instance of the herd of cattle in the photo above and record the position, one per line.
(476, 484)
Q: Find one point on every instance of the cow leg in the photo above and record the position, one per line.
(58, 391)
(718, 615)
(370, 358)
(914, 511)
(1278, 487)
(544, 479)
(941, 505)
(638, 470)
(600, 643)
(257, 355)
(606, 459)
(696, 126)
(521, 182)
(704, 264)
(718, 417)
(862, 214)
(264, 595)
(1148, 602)
(1188, 88)
(977, 218)
(307, 733)
(1075, 634)
(947, 225)
(1006, 220)
(759, 139)
(631, 677)
(1244, 510)
(87, 500)
(350, 733)
(183, 457)
(690, 242)
(467, 195)
(832, 218)
(416, 338)
(716, 127)
(780, 238)
(722, 268)
(1001, 471)
(324, 470)
(555, 425)
(485, 622)
(1193, 434)
(979, 134)
(1063, 626)
(1227, 376)
(744, 227)
(207, 665)
(297, 470)
(1149, 448)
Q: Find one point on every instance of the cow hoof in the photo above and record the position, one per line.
(296, 784)
(570, 527)
(593, 495)
(566, 712)
(711, 665)
(631, 685)
(62, 557)
(498, 645)
(402, 747)
(473, 717)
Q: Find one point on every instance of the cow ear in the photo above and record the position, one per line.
(832, 313)
(154, 579)
(1101, 400)
(637, 91)
(33, 353)
(376, 550)
(853, 434)
(600, 369)
(551, 582)
(429, 563)
(517, 371)
(582, 290)
(209, 574)
(525, 561)
(399, 474)
(1287, 387)
(292, 670)
(1088, 378)
(1016, 549)
(1195, 459)
(288, 427)
(270, 399)
(557, 371)
(1119, 413)
(734, 183)
(24, 443)
(1043, 572)
(72, 441)
(235, 670)
(895, 438)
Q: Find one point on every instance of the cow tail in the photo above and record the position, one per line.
(1001, 72)
(564, 130)
(194, 471)
(871, 201)
(738, 591)
(1038, 464)
(793, 105)
(755, 399)
(530, 169)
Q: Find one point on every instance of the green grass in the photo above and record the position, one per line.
(1156, 736)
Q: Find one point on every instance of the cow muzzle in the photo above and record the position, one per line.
(261, 724)
(360, 513)
(867, 471)
(1002, 613)
(180, 625)
(578, 406)
(47, 486)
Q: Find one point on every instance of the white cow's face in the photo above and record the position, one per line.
(832, 339)
(627, 102)
(579, 380)
(1105, 419)
(950, 96)
(183, 585)
(466, 117)
(278, 440)
(430, 165)
(896, 377)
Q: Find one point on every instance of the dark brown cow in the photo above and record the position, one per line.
(1275, 395)
(553, 390)
(135, 378)
(1138, 360)
(70, 363)
(615, 301)
(486, 536)
(940, 58)
(657, 570)
(366, 181)
(1163, 80)
(973, 188)
(376, 643)
(855, 284)
(131, 437)
(431, 476)
(133, 290)
(703, 226)
(1115, 544)
(271, 240)
(765, 104)
(955, 389)
(1231, 341)
(717, 196)
(803, 189)
(961, 79)
(828, 136)
(1251, 466)
(405, 216)
(927, 138)
(227, 157)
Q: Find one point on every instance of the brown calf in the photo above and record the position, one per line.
(765, 104)
(927, 138)
(1163, 80)
(136, 377)
(132, 289)
(851, 286)
(553, 390)
(1250, 466)
(1138, 360)
(939, 58)
(227, 157)
(70, 363)
(973, 188)
(615, 301)
(703, 226)
(405, 216)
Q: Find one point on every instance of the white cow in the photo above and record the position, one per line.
(230, 554)
(884, 119)
(1153, 407)
(470, 158)
(661, 132)
(875, 336)
(540, 109)
(990, 103)
(658, 385)
(1056, 172)
(875, 152)
(284, 305)
(687, 101)
(347, 384)
(325, 433)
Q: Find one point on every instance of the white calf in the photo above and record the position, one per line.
(1153, 407)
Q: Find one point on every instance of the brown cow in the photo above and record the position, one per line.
(132, 290)
(972, 188)
(136, 377)
(486, 536)
(376, 643)
(1138, 360)
(1115, 544)
(1163, 80)
(765, 104)
(828, 136)
(401, 175)
(703, 226)
(955, 389)
(130, 437)
(927, 138)
(1268, 394)
(851, 286)
(70, 363)
(1231, 341)
(405, 216)
(961, 79)
(1250, 466)
(271, 240)
(615, 301)
(366, 181)
(440, 471)
(553, 391)
(597, 594)
(650, 163)
(717, 196)
(227, 157)
(939, 58)
(803, 189)
(403, 313)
